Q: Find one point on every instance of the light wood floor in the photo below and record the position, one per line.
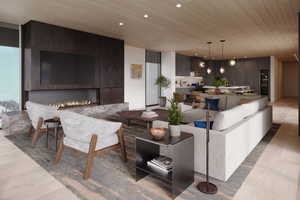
(276, 175)
(22, 178)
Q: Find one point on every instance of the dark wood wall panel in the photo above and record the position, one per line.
(111, 95)
(112, 71)
(9, 37)
(108, 54)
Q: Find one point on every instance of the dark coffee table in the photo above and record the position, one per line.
(137, 115)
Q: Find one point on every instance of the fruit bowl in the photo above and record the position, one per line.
(158, 133)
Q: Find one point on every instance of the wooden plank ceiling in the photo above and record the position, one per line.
(250, 27)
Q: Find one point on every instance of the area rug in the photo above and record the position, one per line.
(112, 179)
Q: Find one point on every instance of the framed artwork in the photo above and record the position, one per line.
(136, 71)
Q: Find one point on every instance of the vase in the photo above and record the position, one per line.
(174, 130)
(217, 91)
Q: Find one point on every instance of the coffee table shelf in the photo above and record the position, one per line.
(163, 177)
(181, 151)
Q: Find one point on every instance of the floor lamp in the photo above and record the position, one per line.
(207, 187)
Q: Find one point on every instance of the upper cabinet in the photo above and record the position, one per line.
(199, 71)
(187, 64)
(183, 65)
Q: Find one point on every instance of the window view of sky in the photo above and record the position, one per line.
(9, 78)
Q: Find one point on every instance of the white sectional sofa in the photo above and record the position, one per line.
(226, 102)
(234, 134)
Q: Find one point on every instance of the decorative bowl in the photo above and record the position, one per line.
(158, 133)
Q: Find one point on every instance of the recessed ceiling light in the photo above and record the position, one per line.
(146, 16)
(121, 24)
(178, 5)
(196, 54)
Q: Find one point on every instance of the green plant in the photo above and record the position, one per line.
(174, 117)
(218, 81)
(163, 82)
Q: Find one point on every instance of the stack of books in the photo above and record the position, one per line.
(161, 164)
(149, 114)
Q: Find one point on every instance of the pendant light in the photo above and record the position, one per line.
(201, 64)
(209, 70)
(232, 62)
(222, 69)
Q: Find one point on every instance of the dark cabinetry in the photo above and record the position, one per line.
(264, 82)
(183, 65)
(199, 71)
(187, 64)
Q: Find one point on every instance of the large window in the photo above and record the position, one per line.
(9, 79)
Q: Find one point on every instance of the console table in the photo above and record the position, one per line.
(180, 149)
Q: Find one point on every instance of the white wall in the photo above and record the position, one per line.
(134, 89)
(168, 69)
(290, 79)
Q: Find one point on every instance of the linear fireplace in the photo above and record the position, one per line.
(62, 65)
(57, 97)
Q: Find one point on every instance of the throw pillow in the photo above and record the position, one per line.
(213, 104)
(202, 124)
(199, 105)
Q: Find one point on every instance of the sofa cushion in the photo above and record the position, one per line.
(263, 102)
(212, 104)
(183, 107)
(197, 115)
(256, 105)
(228, 118)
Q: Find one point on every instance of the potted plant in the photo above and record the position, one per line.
(163, 83)
(174, 118)
(217, 82)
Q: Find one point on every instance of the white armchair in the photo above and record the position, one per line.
(90, 136)
(37, 114)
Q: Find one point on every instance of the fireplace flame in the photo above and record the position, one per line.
(71, 104)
